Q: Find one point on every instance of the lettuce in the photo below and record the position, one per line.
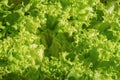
(59, 40)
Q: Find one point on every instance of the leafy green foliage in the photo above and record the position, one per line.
(59, 39)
